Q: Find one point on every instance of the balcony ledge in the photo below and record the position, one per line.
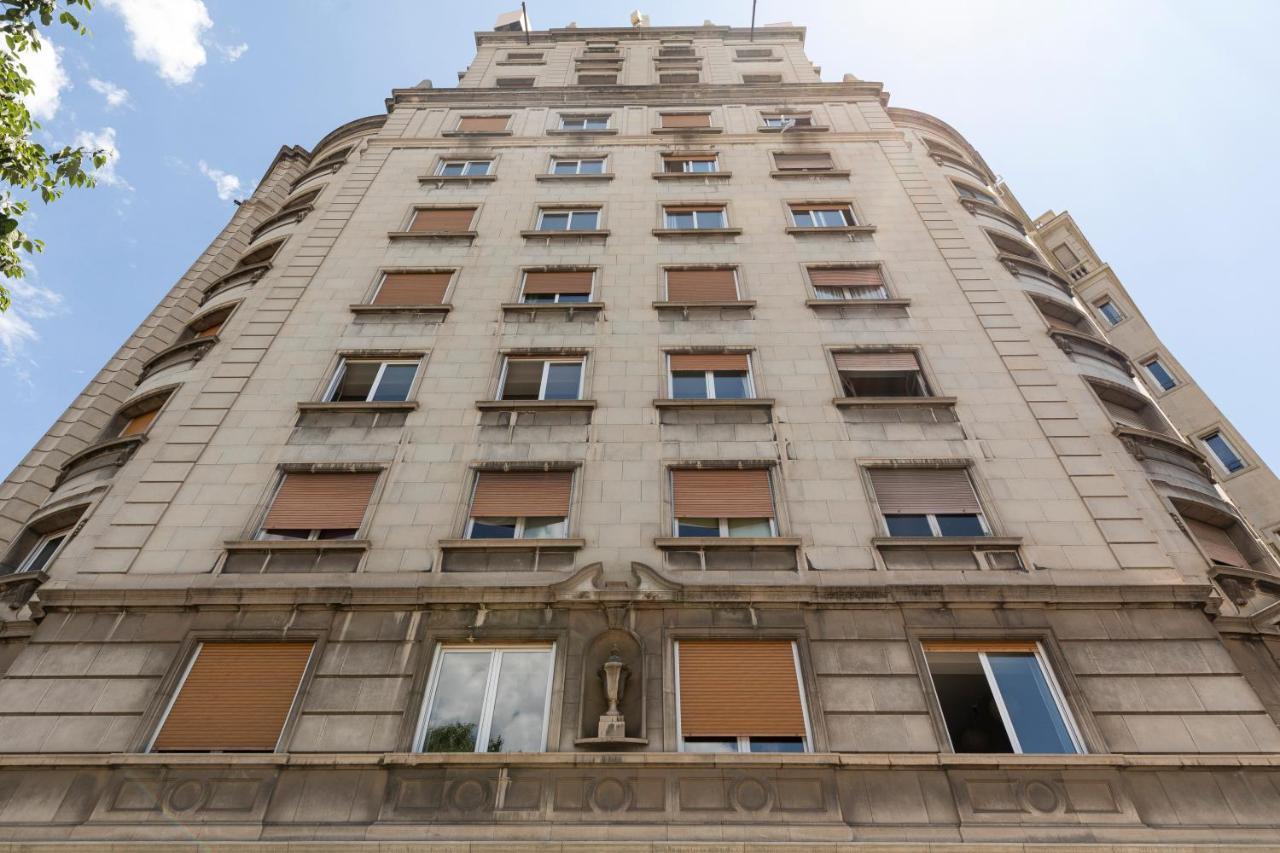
(535, 308)
(369, 308)
(552, 178)
(360, 406)
(513, 544)
(967, 543)
(432, 235)
(533, 405)
(700, 543)
(697, 403)
(240, 545)
(696, 232)
(892, 402)
(851, 230)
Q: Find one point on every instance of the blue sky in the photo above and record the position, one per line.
(1155, 124)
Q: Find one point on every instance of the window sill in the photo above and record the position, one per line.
(521, 62)
(892, 402)
(965, 543)
(851, 230)
(467, 134)
(680, 131)
(691, 176)
(360, 406)
(746, 403)
(241, 545)
(816, 173)
(603, 176)
(541, 308)
(440, 180)
(701, 543)
(369, 308)
(513, 544)
(686, 306)
(562, 235)
(533, 405)
(857, 303)
(432, 235)
(563, 131)
(696, 232)
(809, 128)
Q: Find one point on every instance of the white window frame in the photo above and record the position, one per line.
(466, 164)
(845, 210)
(521, 522)
(776, 120)
(685, 162)
(723, 211)
(935, 530)
(524, 280)
(1203, 438)
(565, 120)
(579, 360)
(30, 557)
(708, 378)
(1146, 365)
(341, 373)
(848, 292)
(484, 724)
(724, 526)
(570, 211)
(577, 168)
(804, 705)
(1055, 690)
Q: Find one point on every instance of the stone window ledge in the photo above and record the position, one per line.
(943, 543)
(685, 306)
(701, 543)
(432, 235)
(892, 402)
(852, 230)
(696, 131)
(533, 405)
(360, 406)
(815, 173)
(242, 545)
(467, 180)
(696, 232)
(857, 303)
(691, 176)
(536, 308)
(368, 308)
(561, 235)
(569, 544)
(476, 134)
(695, 403)
(808, 128)
(565, 131)
(546, 176)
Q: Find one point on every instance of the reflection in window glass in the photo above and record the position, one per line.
(1225, 453)
(1160, 374)
(908, 525)
(42, 552)
(1029, 703)
(488, 700)
(563, 380)
(960, 525)
(749, 527)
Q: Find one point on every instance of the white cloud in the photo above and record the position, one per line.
(234, 51)
(226, 184)
(167, 34)
(44, 67)
(31, 302)
(104, 139)
(116, 96)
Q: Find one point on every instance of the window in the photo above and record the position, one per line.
(713, 376)
(371, 381)
(1062, 318)
(975, 194)
(761, 78)
(542, 378)
(782, 120)
(209, 325)
(880, 374)
(318, 506)
(1216, 543)
(138, 424)
(556, 286)
(42, 552)
(524, 56)
(818, 161)
(483, 124)
(685, 121)
(584, 122)
(1156, 369)
(860, 283)
(413, 288)
(1129, 409)
(822, 216)
(1065, 256)
(679, 77)
(463, 168)
(589, 166)
(1223, 451)
(702, 285)
(722, 502)
(520, 505)
(740, 696)
(754, 53)
(675, 51)
(514, 82)
(493, 699)
(1000, 697)
(694, 218)
(1110, 312)
(568, 220)
(936, 502)
(442, 220)
(690, 163)
(235, 697)
(597, 79)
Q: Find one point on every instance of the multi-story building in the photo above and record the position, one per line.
(644, 441)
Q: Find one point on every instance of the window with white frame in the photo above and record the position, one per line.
(542, 378)
(1000, 697)
(596, 122)
(1110, 311)
(520, 505)
(41, 554)
(709, 376)
(1223, 451)
(822, 216)
(556, 286)
(360, 380)
(463, 168)
(695, 218)
(702, 164)
(783, 120)
(723, 502)
(561, 219)
(577, 166)
(487, 699)
(848, 283)
(1160, 374)
(928, 502)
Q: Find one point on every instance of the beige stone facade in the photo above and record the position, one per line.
(1097, 537)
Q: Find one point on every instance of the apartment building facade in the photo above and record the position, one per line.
(643, 442)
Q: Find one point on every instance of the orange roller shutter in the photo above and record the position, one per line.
(847, 277)
(702, 286)
(522, 493)
(236, 697)
(444, 219)
(716, 493)
(322, 501)
(558, 281)
(138, 423)
(876, 361)
(413, 288)
(709, 361)
(739, 688)
(916, 491)
(483, 124)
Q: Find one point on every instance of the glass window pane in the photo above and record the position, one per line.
(563, 381)
(1162, 377)
(479, 167)
(1036, 719)
(454, 717)
(573, 297)
(538, 299)
(520, 701)
(395, 383)
(731, 385)
(710, 744)
(679, 219)
(524, 378)
(702, 166)
(356, 381)
(555, 221)
(277, 534)
(968, 707)
(960, 525)
(803, 218)
(336, 533)
(545, 528)
(689, 385)
(40, 557)
(493, 528)
(591, 167)
(710, 219)
(563, 167)
(584, 220)
(1110, 312)
(451, 169)
(1225, 453)
(776, 744)
(697, 527)
(908, 525)
(750, 527)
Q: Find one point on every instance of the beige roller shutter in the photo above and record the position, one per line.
(236, 697)
(722, 493)
(443, 219)
(811, 162)
(737, 688)
(413, 288)
(683, 120)
(138, 423)
(1216, 544)
(916, 491)
(558, 281)
(876, 361)
(322, 501)
(522, 494)
(710, 361)
(702, 285)
(847, 277)
(483, 124)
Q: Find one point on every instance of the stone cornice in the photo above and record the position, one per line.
(583, 34)
(652, 95)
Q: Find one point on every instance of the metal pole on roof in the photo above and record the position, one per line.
(524, 16)
(753, 21)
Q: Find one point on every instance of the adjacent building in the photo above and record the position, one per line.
(643, 441)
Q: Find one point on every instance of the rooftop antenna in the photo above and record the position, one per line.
(752, 37)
